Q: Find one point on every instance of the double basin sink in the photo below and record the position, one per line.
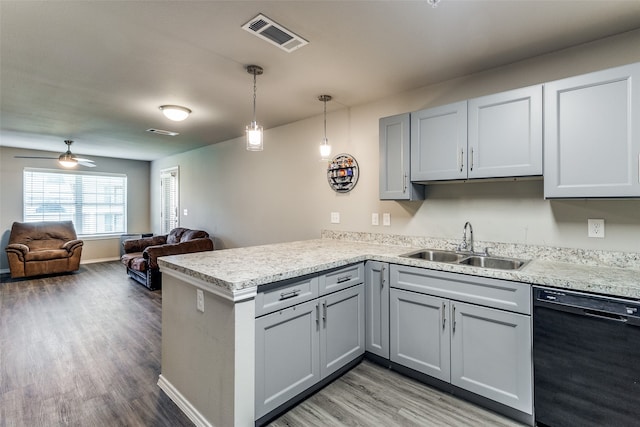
(451, 257)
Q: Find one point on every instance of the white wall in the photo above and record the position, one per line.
(281, 194)
(93, 250)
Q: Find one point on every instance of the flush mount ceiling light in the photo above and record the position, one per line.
(254, 131)
(325, 148)
(433, 3)
(175, 112)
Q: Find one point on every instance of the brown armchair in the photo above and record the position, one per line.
(141, 255)
(37, 248)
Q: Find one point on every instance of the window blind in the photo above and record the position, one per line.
(96, 203)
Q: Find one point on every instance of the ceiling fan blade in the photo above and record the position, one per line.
(80, 159)
(87, 163)
(35, 157)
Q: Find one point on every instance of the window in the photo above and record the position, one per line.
(169, 184)
(96, 203)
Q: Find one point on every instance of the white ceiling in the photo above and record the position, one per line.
(96, 71)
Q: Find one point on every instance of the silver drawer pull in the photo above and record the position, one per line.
(292, 293)
(344, 279)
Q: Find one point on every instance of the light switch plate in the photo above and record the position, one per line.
(375, 220)
(335, 217)
(386, 219)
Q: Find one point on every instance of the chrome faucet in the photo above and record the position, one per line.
(464, 246)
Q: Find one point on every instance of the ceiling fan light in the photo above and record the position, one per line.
(67, 161)
(175, 112)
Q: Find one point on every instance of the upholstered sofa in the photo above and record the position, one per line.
(141, 255)
(38, 248)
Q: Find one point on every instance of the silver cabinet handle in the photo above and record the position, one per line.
(324, 312)
(405, 183)
(471, 165)
(382, 277)
(444, 315)
(317, 314)
(454, 318)
(290, 294)
(344, 279)
(461, 159)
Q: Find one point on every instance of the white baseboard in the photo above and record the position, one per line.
(95, 260)
(4, 270)
(185, 406)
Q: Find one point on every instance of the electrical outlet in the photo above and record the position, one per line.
(335, 217)
(186, 212)
(596, 228)
(375, 220)
(386, 219)
(200, 300)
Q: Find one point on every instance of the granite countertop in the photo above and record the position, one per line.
(243, 269)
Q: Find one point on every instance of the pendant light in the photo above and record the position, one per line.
(325, 148)
(254, 131)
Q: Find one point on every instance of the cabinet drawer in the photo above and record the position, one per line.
(496, 293)
(341, 278)
(279, 295)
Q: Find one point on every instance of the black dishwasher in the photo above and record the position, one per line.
(586, 355)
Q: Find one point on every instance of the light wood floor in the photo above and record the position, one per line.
(84, 350)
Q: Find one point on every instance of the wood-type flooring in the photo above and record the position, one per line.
(83, 349)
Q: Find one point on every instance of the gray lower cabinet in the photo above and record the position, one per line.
(491, 354)
(420, 334)
(592, 135)
(287, 355)
(395, 160)
(299, 345)
(377, 308)
(485, 350)
(341, 329)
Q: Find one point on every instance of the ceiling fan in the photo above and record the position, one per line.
(67, 159)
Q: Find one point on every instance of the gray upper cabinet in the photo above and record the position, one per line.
(494, 136)
(395, 160)
(439, 143)
(592, 135)
(505, 134)
(377, 308)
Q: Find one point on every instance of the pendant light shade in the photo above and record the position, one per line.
(175, 112)
(254, 130)
(325, 148)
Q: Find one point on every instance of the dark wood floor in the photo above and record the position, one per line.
(83, 349)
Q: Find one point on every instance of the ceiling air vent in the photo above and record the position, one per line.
(163, 132)
(274, 33)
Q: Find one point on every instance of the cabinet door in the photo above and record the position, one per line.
(439, 143)
(491, 354)
(287, 355)
(420, 333)
(592, 134)
(505, 134)
(342, 328)
(377, 308)
(395, 160)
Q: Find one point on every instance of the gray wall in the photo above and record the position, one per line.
(281, 194)
(94, 249)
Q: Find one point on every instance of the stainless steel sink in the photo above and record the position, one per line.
(451, 257)
(493, 262)
(435, 255)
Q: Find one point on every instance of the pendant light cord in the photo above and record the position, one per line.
(254, 96)
(325, 120)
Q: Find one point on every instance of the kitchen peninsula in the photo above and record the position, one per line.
(208, 346)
